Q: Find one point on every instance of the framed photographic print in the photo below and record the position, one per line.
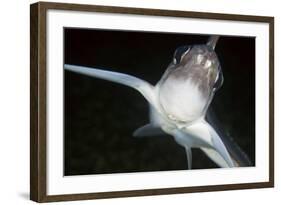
(134, 102)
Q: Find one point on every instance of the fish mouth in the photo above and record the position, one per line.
(179, 123)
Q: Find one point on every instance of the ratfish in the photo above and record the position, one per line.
(179, 102)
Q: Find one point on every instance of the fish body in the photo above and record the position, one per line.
(180, 100)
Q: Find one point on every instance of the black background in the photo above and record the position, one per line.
(100, 116)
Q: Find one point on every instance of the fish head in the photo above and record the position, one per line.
(189, 83)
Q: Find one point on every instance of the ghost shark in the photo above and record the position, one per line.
(180, 100)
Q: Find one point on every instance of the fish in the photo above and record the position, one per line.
(179, 101)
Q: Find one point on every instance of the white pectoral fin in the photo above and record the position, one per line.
(209, 141)
(142, 86)
(215, 156)
(148, 131)
(220, 147)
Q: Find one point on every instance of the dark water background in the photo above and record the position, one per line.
(100, 116)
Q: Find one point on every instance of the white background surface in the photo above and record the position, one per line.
(14, 102)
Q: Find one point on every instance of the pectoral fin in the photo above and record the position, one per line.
(142, 86)
(148, 131)
(220, 147)
(209, 141)
(215, 156)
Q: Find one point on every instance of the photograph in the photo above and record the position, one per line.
(132, 102)
(137, 101)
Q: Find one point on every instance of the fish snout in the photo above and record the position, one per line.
(207, 60)
(204, 61)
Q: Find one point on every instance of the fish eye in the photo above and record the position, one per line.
(180, 53)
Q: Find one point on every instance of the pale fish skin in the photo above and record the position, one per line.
(180, 100)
